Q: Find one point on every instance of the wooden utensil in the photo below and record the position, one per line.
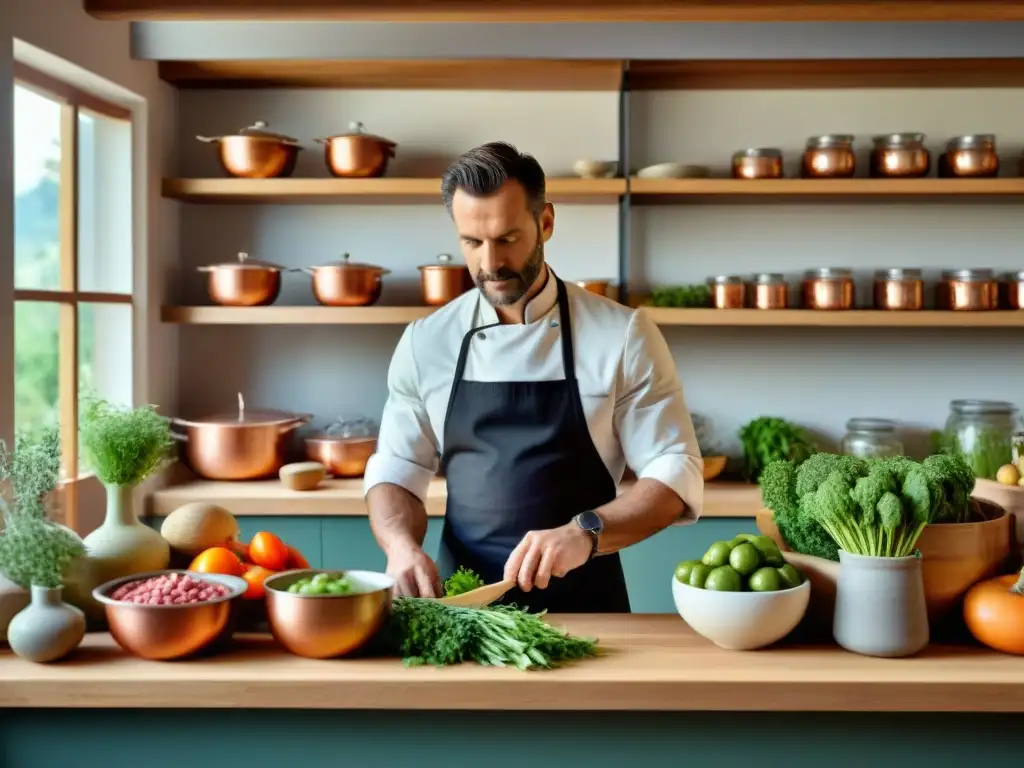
(479, 597)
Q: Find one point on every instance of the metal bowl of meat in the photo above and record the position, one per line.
(170, 614)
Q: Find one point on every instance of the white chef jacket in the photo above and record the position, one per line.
(631, 395)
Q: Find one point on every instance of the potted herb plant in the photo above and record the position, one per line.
(36, 553)
(123, 446)
(769, 438)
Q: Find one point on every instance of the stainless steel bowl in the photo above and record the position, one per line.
(162, 632)
(327, 626)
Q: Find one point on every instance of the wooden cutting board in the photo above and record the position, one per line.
(479, 597)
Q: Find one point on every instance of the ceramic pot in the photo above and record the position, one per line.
(12, 600)
(48, 628)
(121, 546)
(880, 606)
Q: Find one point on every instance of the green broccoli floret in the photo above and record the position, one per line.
(833, 508)
(954, 476)
(806, 535)
(897, 465)
(919, 497)
(868, 491)
(798, 529)
(778, 488)
(814, 471)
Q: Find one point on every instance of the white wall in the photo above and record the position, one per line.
(816, 377)
(65, 42)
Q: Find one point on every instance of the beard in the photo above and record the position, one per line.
(517, 284)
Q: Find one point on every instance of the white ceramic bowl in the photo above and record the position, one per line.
(741, 621)
(594, 169)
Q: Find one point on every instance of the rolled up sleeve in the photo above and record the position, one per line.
(652, 420)
(406, 445)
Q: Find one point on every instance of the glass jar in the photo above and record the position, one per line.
(871, 439)
(982, 430)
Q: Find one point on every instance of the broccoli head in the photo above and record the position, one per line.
(806, 535)
(921, 496)
(870, 489)
(814, 471)
(890, 512)
(953, 475)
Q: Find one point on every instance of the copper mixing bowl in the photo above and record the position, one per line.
(342, 456)
(162, 632)
(327, 626)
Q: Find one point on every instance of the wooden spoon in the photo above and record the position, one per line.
(479, 597)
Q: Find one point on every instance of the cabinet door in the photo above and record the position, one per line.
(348, 543)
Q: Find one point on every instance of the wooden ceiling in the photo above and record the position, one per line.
(560, 10)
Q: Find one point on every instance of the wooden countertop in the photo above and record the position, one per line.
(344, 498)
(652, 662)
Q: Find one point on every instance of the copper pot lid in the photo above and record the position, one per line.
(444, 261)
(354, 430)
(357, 131)
(345, 263)
(244, 262)
(246, 418)
(257, 130)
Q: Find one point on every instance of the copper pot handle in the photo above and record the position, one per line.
(209, 139)
(174, 422)
(298, 421)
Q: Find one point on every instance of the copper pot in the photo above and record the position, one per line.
(1011, 290)
(762, 163)
(968, 290)
(238, 446)
(347, 283)
(256, 153)
(444, 281)
(970, 156)
(900, 155)
(899, 289)
(828, 289)
(344, 448)
(357, 154)
(829, 157)
(243, 283)
(727, 292)
(769, 291)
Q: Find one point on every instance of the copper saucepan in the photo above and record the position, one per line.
(347, 283)
(357, 154)
(238, 446)
(345, 447)
(444, 281)
(243, 283)
(256, 153)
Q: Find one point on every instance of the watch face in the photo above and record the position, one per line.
(590, 521)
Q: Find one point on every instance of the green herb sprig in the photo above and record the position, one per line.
(683, 296)
(35, 551)
(462, 581)
(124, 446)
(424, 631)
(767, 439)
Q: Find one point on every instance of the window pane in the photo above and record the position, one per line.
(104, 203)
(36, 363)
(105, 351)
(37, 190)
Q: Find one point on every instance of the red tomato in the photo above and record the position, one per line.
(269, 551)
(296, 560)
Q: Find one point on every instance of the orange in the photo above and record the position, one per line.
(254, 576)
(218, 560)
(269, 551)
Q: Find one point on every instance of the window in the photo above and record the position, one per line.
(73, 274)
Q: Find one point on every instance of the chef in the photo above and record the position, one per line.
(531, 395)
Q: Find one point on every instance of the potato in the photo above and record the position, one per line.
(1008, 474)
(198, 526)
(303, 475)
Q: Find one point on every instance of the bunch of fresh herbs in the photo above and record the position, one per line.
(684, 296)
(123, 446)
(875, 507)
(767, 439)
(462, 581)
(425, 631)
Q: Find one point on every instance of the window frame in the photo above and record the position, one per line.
(68, 297)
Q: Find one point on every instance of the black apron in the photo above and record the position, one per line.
(518, 457)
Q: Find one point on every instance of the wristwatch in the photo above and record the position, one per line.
(590, 522)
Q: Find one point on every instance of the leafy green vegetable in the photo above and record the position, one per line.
(767, 439)
(425, 631)
(462, 581)
(688, 296)
(124, 446)
(874, 507)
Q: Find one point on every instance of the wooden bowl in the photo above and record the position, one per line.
(714, 466)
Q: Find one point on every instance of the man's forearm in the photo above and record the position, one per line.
(397, 517)
(645, 509)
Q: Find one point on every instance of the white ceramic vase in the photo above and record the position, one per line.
(12, 600)
(48, 628)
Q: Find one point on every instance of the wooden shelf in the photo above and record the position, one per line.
(476, 74)
(368, 191)
(344, 498)
(559, 10)
(801, 190)
(664, 316)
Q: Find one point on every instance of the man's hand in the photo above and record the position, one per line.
(543, 554)
(414, 572)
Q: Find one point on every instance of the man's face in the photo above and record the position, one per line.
(502, 241)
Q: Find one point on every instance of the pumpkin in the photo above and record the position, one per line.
(994, 613)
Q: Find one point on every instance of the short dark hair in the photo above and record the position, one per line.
(482, 170)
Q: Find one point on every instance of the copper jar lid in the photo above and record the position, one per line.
(898, 140)
(770, 278)
(900, 273)
(973, 141)
(968, 275)
(829, 273)
(770, 153)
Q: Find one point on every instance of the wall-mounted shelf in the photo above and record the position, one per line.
(344, 498)
(664, 316)
(558, 10)
(649, 191)
(375, 191)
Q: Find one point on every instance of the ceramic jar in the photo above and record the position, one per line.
(880, 606)
(122, 545)
(48, 628)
